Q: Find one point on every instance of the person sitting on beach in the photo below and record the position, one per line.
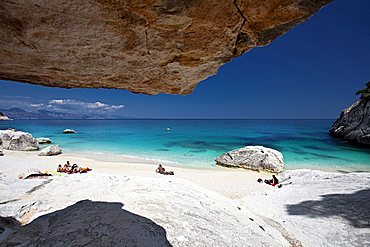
(274, 181)
(75, 169)
(60, 168)
(66, 168)
(161, 170)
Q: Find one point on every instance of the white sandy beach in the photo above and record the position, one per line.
(123, 202)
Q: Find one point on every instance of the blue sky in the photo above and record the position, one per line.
(313, 71)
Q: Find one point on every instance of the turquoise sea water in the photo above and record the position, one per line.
(304, 143)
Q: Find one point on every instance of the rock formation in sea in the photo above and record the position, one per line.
(3, 117)
(43, 140)
(51, 150)
(69, 131)
(17, 140)
(144, 46)
(255, 158)
(353, 124)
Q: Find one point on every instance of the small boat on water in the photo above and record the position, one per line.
(168, 129)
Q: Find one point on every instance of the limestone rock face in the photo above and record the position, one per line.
(51, 150)
(255, 158)
(43, 140)
(17, 140)
(354, 123)
(144, 46)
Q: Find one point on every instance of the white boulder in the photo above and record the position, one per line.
(255, 158)
(17, 140)
(43, 140)
(51, 150)
(69, 131)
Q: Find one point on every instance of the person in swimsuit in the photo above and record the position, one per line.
(161, 170)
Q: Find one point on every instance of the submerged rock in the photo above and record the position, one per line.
(353, 124)
(43, 140)
(149, 47)
(17, 140)
(51, 150)
(255, 158)
(69, 131)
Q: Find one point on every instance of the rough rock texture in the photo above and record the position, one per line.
(17, 140)
(354, 123)
(144, 46)
(318, 208)
(51, 150)
(43, 140)
(3, 117)
(112, 226)
(125, 211)
(69, 131)
(254, 158)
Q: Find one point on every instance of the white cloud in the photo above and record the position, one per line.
(57, 101)
(36, 105)
(63, 106)
(80, 105)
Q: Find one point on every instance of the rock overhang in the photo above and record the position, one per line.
(150, 47)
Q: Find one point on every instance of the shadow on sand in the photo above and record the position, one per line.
(355, 207)
(85, 223)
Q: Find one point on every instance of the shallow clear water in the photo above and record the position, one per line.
(304, 143)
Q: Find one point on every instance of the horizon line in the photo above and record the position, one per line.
(133, 118)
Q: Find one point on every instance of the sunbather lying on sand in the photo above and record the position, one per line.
(161, 170)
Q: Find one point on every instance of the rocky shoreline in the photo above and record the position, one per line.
(353, 125)
(209, 207)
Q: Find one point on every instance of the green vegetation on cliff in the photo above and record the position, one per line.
(365, 93)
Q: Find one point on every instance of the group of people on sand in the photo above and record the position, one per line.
(70, 169)
(163, 171)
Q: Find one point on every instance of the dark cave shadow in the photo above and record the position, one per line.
(85, 223)
(355, 207)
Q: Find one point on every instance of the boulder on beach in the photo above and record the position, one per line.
(257, 158)
(43, 140)
(17, 140)
(1, 153)
(51, 150)
(69, 131)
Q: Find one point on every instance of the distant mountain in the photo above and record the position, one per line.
(18, 113)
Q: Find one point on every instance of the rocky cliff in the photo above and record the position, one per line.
(354, 123)
(144, 46)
